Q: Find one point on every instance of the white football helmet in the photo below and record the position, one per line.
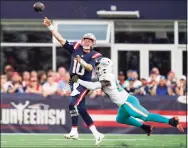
(89, 36)
(104, 66)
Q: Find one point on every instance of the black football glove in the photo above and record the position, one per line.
(74, 79)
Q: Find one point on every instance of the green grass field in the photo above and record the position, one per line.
(87, 140)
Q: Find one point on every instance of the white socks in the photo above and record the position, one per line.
(74, 130)
(94, 130)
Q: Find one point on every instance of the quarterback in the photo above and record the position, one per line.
(83, 61)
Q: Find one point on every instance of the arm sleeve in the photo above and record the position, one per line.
(90, 85)
(68, 46)
(71, 46)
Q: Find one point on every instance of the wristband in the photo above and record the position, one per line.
(83, 63)
(51, 27)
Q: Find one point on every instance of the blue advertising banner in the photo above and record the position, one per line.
(31, 113)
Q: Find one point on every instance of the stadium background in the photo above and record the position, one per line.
(157, 39)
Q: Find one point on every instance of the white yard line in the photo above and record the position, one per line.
(4, 141)
(103, 139)
(48, 134)
(50, 146)
(80, 140)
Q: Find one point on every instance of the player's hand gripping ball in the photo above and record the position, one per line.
(38, 7)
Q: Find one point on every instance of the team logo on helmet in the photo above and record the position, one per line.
(104, 66)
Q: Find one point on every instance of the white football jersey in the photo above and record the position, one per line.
(116, 93)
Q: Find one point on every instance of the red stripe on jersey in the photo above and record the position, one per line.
(81, 97)
(76, 45)
(96, 55)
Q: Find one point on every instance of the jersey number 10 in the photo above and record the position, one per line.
(78, 69)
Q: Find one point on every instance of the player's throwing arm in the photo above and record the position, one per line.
(62, 41)
(56, 34)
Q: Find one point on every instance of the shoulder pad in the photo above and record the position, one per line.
(76, 45)
(96, 55)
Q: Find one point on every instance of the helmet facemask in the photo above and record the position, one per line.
(87, 47)
(86, 38)
(104, 66)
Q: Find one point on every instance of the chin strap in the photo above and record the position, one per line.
(87, 47)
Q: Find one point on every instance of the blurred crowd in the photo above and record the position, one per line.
(155, 85)
(41, 82)
(52, 82)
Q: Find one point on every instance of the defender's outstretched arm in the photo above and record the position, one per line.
(90, 85)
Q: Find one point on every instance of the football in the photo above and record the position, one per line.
(38, 7)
